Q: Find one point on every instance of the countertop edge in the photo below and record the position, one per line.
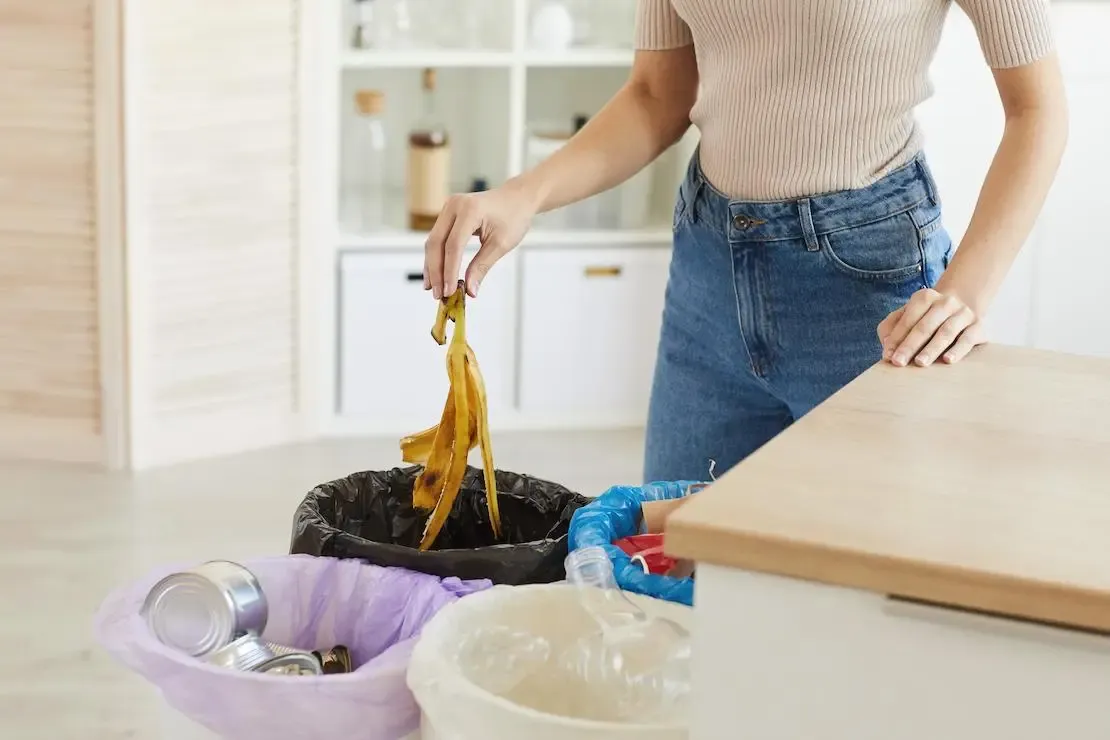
(1051, 603)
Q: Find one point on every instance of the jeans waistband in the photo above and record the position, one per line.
(901, 190)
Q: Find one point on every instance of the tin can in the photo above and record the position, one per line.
(203, 609)
(252, 653)
(244, 654)
(292, 664)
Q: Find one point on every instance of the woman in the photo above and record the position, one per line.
(807, 235)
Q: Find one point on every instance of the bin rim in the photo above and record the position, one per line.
(433, 633)
(311, 505)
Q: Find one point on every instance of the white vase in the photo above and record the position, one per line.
(552, 27)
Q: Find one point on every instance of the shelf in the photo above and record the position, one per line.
(580, 58)
(463, 58)
(420, 58)
(401, 239)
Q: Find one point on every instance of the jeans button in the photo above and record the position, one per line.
(741, 222)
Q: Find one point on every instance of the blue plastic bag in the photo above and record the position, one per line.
(617, 514)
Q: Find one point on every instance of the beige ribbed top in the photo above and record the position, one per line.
(800, 97)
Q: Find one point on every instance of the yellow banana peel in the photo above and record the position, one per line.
(464, 424)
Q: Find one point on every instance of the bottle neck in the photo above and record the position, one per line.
(591, 572)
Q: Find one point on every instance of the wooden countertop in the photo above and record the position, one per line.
(983, 485)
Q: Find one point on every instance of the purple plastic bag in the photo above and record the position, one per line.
(314, 603)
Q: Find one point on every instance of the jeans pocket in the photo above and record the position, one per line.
(888, 250)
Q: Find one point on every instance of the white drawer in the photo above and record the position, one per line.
(590, 328)
(391, 371)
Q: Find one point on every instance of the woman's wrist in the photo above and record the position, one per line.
(531, 189)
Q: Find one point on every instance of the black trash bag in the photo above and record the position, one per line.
(369, 515)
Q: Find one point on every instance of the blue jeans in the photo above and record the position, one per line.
(773, 307)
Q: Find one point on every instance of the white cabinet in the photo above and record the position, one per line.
(1074, 252)
(589, 331)
(392, 373)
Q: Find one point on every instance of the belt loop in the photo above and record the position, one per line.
(805, 215)
(927, 178)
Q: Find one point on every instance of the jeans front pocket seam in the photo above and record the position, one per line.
(896, 275)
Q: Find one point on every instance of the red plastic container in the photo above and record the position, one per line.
(647, 551)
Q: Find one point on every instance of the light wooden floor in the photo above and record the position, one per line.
(68, 536)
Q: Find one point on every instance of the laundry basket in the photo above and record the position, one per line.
(314, 603)
(454, 708)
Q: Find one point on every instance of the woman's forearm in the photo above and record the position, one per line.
(1015, 187)
(640, 122)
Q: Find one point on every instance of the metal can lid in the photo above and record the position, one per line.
(188, 612)
(292, 664)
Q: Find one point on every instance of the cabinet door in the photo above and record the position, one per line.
(590, 329)
(391, 371)
(963, 124)
(1074, 261)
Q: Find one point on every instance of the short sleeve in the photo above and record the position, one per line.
(659, 27)
(1011, 32)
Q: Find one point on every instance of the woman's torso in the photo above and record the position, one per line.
(809, 96)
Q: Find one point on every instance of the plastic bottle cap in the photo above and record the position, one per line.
(370, 102)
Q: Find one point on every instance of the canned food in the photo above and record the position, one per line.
(247, 653)
(203, 609)
(292, 664)
(252, 653)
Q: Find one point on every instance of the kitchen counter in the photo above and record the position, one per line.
(926, 554)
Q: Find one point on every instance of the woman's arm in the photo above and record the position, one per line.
(946, 323)
(649, 113)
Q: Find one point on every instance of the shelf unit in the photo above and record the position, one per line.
(336, 307)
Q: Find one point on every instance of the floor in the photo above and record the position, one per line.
(68, 536)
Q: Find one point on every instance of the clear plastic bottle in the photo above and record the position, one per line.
(368, 160)
(637, 667)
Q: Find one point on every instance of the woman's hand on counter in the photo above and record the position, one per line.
(932, 326)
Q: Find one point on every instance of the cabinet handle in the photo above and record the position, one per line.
(600, 271)
(415, 277)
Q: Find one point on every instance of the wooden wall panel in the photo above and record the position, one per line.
(213, 188)
(49, 345)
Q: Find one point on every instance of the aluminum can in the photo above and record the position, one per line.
(204, 609)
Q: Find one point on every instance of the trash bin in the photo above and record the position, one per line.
(314, 603)
(369, 515)
(455, 708)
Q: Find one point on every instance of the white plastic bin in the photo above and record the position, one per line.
(453, 708)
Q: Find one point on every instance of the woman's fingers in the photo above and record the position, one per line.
(945, 336)
(967, 341)
(939, 312)
(434, 248)
(886, 326)
(467, 221)
(490, 251)
(914, 310)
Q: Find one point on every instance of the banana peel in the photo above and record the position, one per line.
(444, 448)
